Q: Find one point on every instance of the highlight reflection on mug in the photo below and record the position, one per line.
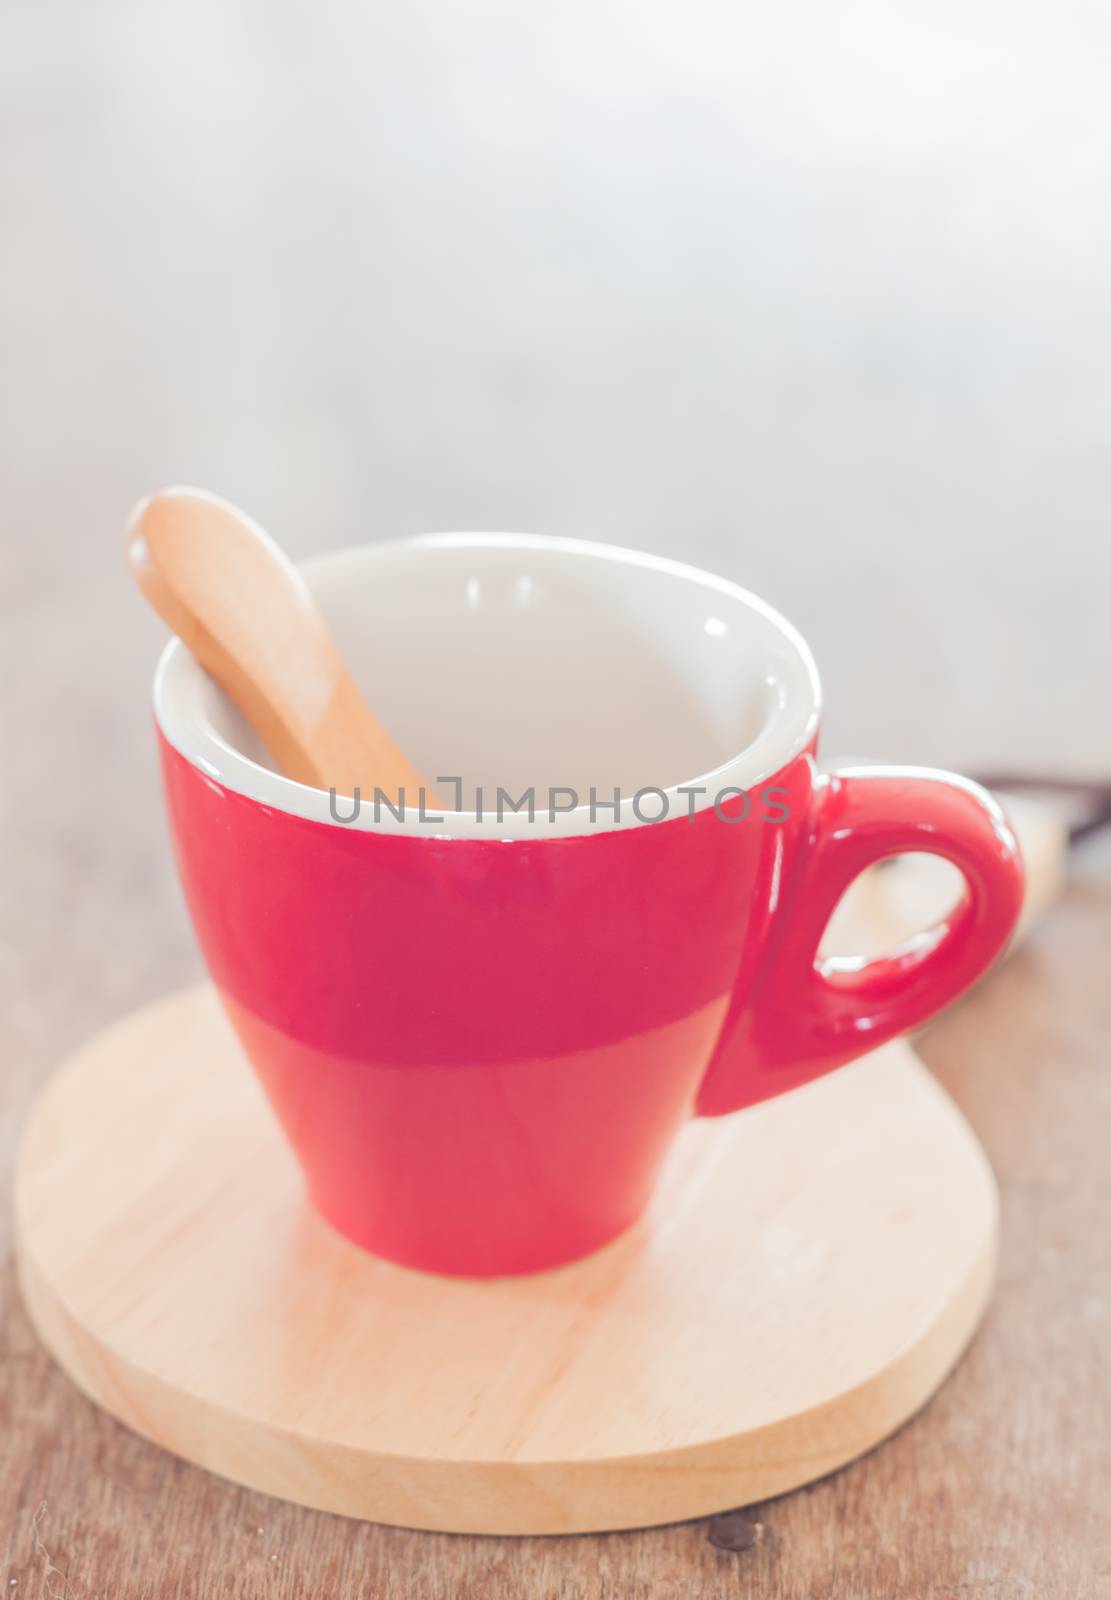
(648, 804)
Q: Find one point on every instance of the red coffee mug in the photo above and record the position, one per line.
(482, 1027)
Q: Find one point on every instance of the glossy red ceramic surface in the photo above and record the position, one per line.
(481, 1049)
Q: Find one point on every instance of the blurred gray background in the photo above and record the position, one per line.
(816, 296)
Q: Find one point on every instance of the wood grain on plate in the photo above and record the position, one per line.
(807, 1275)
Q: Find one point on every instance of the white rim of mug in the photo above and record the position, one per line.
(181, 688)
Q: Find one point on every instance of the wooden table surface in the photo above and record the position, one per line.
(815, 297)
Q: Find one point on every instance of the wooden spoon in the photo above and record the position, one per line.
(245, 612)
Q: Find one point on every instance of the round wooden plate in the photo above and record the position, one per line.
(808, 1274)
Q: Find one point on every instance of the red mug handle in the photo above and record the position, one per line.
(806, 1015)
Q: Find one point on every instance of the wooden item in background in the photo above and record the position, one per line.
(242, 608)
(809, 1272)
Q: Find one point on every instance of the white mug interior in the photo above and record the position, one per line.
(531, 663)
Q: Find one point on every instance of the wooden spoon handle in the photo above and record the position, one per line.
(244, 611)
